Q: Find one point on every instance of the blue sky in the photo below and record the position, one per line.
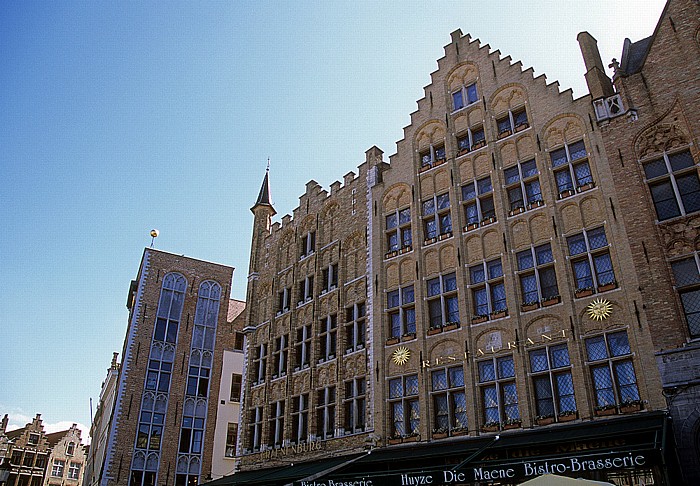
(119, 117)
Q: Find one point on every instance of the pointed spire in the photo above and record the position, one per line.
(264, 195)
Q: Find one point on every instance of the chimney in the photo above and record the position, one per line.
(599, 84)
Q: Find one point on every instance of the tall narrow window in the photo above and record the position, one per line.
(355, 327)
(330, 278)
(511, 122)
(192, 428)
(687, 279)
(523, 186)
(464, 96)
(401, 311)
(571, 169)
(538, 280)
(610, 362)
(279, 355)
(398, 232)
(552, 382)
(300, 418)
(284, 298)
(499, 396)
(354, 405)
(255, 428)
(437, 220)
(327, 337)
(432, 156)
(74, 470)
(172, 297)
(449, 400)
(260, 363)
(276, 424)
(325, 413)
(307, 244)
(477, 197)
(590, 259)
(443, 306)
(57, 468)
(302, 347)
(488, 288)
(151, 421)
(236, 382)
(674, 185)
(306, 289)
(231, 437)
(404, 406)
(473, 139)
(199, 373)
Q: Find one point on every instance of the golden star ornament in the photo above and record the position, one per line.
(401, 356)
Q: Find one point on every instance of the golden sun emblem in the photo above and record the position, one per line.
(401, 355)
(599, 309)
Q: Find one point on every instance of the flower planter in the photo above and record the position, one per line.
(445, 235)
(515, 211)
(489, 428)
(565, 194)
(391, 254)
(394, 441)
(488, 221)
(606, 412)
(424, 168)
(393, 340)
(456, 433)
(568, 417)
(471, 226)
(478, 145)
(430, 241)
(462, 152)
(521, 127)
(499, 314)
(535, 204)
(585, 187)
(607, 286)
(630, 408)
(583, 293)
(413, 438)
(512, 426)
(439, 435)
(551, 301)
(450, 327)
(504, 134)
(434, 330)
(409, 336)
(544, 421)
(479, 319)
(529, 306)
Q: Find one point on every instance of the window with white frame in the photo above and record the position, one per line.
(523, 186)
(511, 122)
(74, 470)
(255, 428)
(70, 448)
(443, 306)
(236, 382)
(498, 391)
(590, 259)
(151, 421)
(302, 347)
(550, 370)
(276, 424)
(354, 405)
(474, 138)
(437, 220)
(330, 278)
(673, 184)
(449, 400)
(477, 199)
(306, 289)
(571, 169)
(355, 326)
(488, 288)
(432, 156)
(404, 406)
(57, 468)
(33, 439)
(325, 412)
(327, 337)
(300, 418)
(284, 298)
(687, 276)
(401, 309)
(279, 355)
(231, 436)
(610, 361)
(260, 363)
(307, 244)
(464, 96)
(538, 280)
(398, 230)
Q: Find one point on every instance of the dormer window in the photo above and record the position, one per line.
(432, 156)
(464, 96)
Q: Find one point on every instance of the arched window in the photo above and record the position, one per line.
(172, 297)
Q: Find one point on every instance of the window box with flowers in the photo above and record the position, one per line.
(554, 299)
(586, 187)
(405, 249)
(392, 340)
(605, 410)
(394, 440)
(530, 306)
(512, 424)
(440, 433)
(411, 438)
(544, 419)
(536, 204)
(631, 406)
(568, 415)
(487, 221)
(566, 193)
(608, 286)
(504, 134)
(471, 226)
(455, 431)
(430, 241)
(480, 318)
(479, 144)
(583, 292)
(450, 326)
(434, 330)
(463, 151)
(391, 254)
(521, 126)
(498, 314)
(444, 236)
(408, 336)
(491, 427)
(518, 210)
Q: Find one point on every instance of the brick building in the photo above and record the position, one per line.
(649, 122)
(499, 299)
(165, 410)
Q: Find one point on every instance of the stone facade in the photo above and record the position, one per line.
(66, 464)
(658, 83)
(165, 409)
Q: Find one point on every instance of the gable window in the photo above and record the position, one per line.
(498, 392)
(571, 169)
(325, 413)
(401, 311)
(355, 327)
(307, 244)
(687, 278)
(354, 404)
(327, 337)
(552, 382)
(674, 185)
(33, 439)
(449, 400)
(477, 199)
(488, 288)
(279, 355)
(437, 221)
(259, 363)
(302, 348)
(276, 423)
(306, 289)
(538, 280)
(512, 122)
(330, 278)
(610, 363)
(398, 232)
(590, 259)
(432, 156)
(284, 298)
(404, 406)
(236, 382)
(523, 187)
(474, 138)
(464, 96)
(443, 307)
(300, 418)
